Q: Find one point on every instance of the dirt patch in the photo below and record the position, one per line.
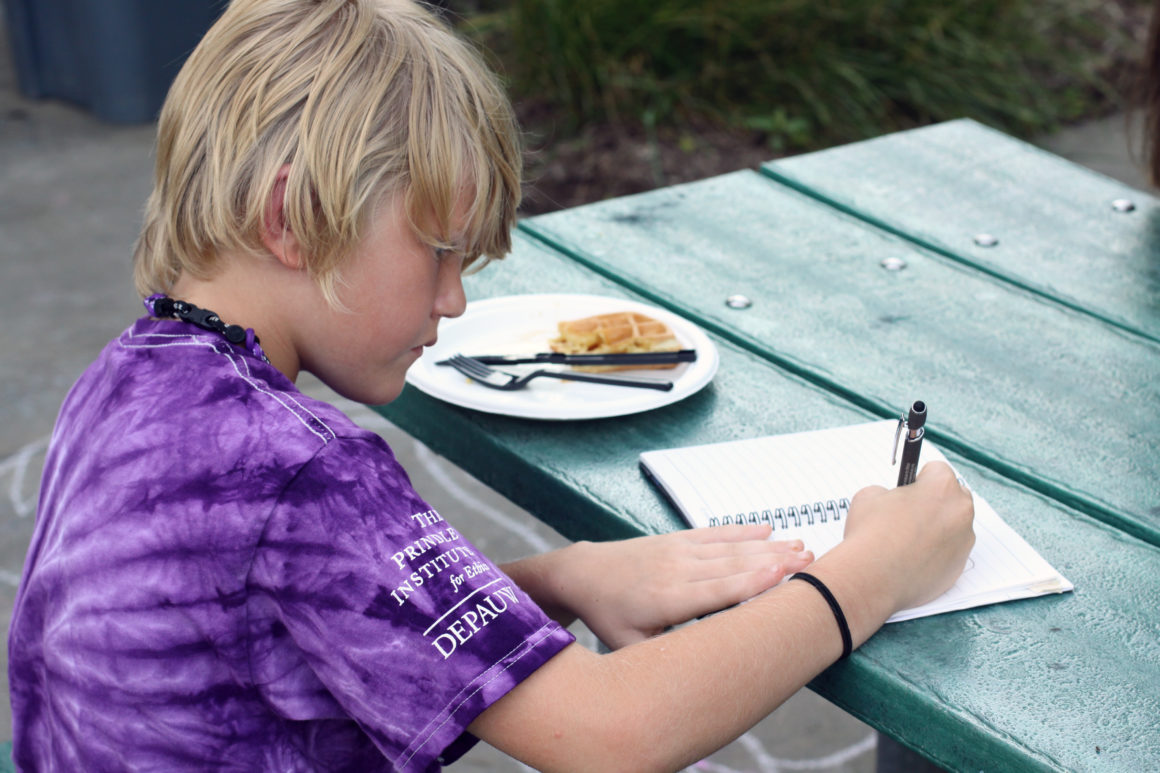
(602, 162)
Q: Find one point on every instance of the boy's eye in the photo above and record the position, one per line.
(445, 254)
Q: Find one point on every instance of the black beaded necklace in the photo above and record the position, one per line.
(164, 306)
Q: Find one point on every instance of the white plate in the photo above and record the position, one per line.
(523, 324)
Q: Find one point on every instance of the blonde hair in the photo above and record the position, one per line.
(360, 98)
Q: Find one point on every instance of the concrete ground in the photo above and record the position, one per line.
(71, 192)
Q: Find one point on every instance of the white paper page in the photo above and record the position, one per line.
(749, 480)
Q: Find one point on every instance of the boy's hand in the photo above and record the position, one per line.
(902, 547)
(630, 590)
(933, 516)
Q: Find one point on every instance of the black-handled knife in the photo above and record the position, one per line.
(558, 358)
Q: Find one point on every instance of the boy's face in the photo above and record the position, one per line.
(397, 289)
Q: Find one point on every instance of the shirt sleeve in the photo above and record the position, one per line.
(371, 605)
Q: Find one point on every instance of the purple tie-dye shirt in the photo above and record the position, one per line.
(228, 575)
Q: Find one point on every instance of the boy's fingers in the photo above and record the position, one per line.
(739, 565)
(763, 546)
(867, 493)
(723, 592)
(935, 470)
(714, 550)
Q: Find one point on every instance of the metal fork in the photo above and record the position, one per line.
(498, 379)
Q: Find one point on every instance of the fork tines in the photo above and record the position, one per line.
(470, 366)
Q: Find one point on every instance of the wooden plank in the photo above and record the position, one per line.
(1057, 229)
(984, 689)
(1049, 397)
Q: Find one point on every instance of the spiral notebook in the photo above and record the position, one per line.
(801, 484)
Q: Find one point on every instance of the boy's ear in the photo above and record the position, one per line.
(276, 234)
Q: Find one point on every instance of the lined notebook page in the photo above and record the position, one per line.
(801, 484)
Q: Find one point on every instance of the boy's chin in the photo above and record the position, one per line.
(378, 392)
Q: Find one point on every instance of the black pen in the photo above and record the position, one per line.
(913, 443)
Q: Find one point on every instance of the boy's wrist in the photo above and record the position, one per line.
(549, 578)
(856, 579)
(566, 571)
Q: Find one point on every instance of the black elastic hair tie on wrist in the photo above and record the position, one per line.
(843, 627)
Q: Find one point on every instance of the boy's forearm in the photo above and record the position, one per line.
(668, 701)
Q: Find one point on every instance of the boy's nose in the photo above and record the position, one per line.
(452, 300)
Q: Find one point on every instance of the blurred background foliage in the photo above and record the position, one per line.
(810, 72)
(796, 75)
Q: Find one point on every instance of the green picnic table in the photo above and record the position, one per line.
(1042, 386)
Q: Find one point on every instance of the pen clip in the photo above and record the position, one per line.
(897, 435)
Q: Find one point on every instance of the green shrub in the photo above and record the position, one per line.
(809, 74)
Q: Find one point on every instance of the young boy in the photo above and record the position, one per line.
(229, 575)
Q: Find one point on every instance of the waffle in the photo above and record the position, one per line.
(615, 333)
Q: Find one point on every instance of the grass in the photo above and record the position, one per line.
(808, 74)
